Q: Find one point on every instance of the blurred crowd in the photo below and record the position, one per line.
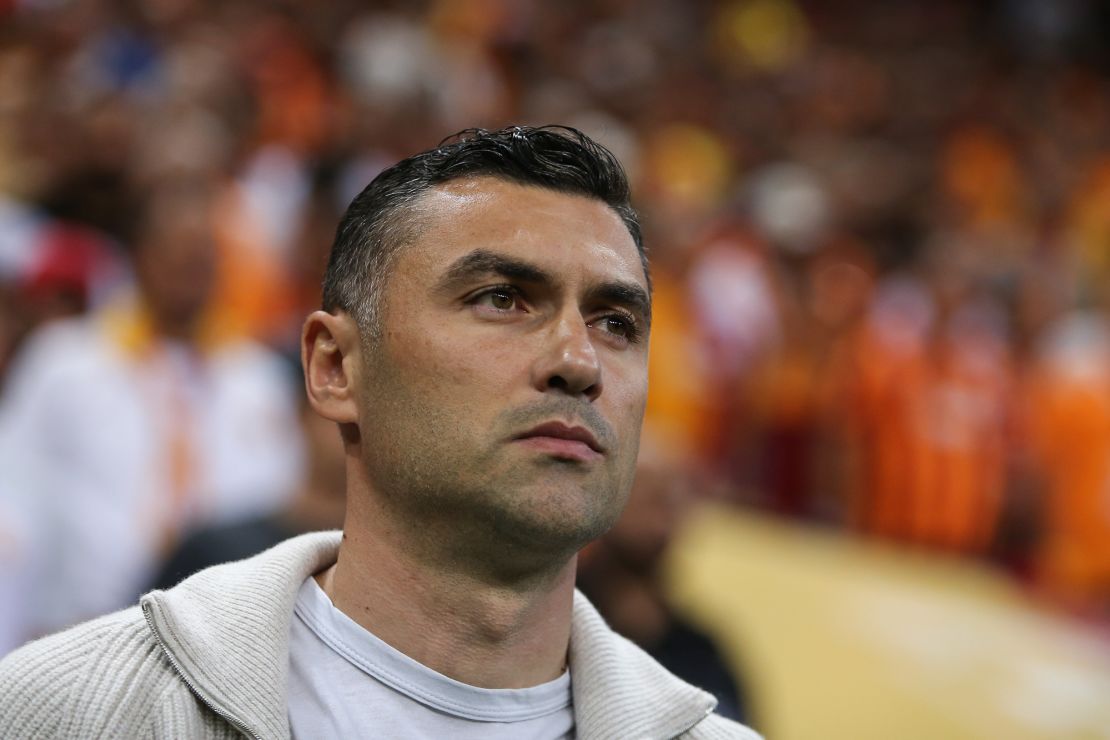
(880, 238)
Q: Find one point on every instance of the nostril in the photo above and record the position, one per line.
(559, 383)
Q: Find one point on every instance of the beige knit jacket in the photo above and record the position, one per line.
(209, 659)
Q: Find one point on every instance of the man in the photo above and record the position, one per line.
(483, 350)
(122, 428)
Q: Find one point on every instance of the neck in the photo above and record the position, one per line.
(184, 330)
(452, 618)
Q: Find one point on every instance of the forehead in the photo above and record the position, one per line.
(567, 234)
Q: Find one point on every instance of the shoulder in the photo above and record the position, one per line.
(242, 354)
(56, 363)
(254, 377)
(59, 347)
(92, 680)
(62, 335)
(715, 727)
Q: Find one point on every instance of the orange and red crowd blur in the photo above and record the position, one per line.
(880, 232)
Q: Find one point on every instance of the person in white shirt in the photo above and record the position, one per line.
(483, 349)
(121, 429)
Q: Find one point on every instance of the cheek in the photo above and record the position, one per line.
(624, 400)
(627, 387)
(460, 370)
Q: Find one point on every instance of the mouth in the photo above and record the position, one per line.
(563, 441)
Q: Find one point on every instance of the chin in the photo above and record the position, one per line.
(559, 523)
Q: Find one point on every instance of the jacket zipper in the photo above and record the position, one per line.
(192, 686)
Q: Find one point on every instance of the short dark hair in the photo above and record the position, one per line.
(374, 227)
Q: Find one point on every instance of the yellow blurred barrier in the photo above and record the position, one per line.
(842, 639)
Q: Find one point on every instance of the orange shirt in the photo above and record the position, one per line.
(1069, 433)
(926, 419)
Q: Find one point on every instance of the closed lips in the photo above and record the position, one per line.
(559, 430)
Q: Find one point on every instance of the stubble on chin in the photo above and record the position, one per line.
(492, 503)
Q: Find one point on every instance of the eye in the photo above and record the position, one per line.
(619, 325)
(502, 300)
(499, 299)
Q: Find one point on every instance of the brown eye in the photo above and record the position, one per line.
(621, 327)
(618, 326)
(502, 300)
(497, 300)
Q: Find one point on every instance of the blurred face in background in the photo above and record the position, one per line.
(661, 497)
(175, 259)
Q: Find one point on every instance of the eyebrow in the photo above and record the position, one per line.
(629, 295)
(484, 262)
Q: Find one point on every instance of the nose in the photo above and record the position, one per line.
(569, 363)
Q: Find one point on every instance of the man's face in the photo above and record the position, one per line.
(505, 391)
(176, 263)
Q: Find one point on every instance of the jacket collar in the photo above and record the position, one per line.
(620, 691)
(226, 630)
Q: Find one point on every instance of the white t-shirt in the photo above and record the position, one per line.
(345, 683)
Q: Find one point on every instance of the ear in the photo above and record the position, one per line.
(331, 358)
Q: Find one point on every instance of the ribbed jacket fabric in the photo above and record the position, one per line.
(209, 659)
